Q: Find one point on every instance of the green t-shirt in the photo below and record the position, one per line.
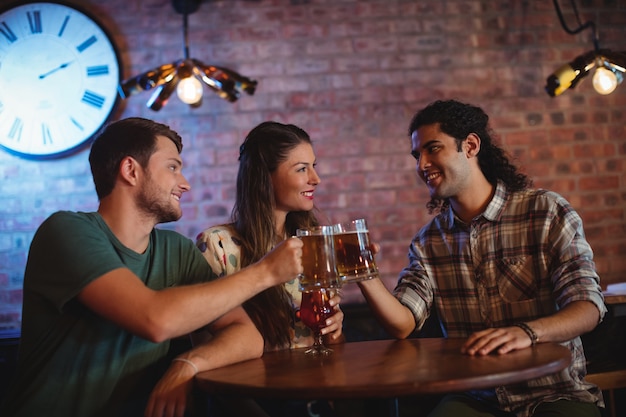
(73, 362)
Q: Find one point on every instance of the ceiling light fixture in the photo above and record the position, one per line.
(610, 66)
(186, 75)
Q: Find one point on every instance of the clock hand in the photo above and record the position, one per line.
(42, 76)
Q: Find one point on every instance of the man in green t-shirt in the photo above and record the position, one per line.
(105, 292)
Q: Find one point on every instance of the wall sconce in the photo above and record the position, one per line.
(186, 75)
(610, 66)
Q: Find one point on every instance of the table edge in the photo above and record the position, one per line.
(386, 391)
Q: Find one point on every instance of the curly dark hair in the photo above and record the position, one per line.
(459, 120)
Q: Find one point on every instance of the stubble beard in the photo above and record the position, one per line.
(162, 211)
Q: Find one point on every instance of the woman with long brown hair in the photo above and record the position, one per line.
(276, 184)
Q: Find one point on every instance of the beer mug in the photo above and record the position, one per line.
(318, 259)
(355, 260)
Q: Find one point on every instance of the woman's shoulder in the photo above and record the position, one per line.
(218, 232)
(222, 236)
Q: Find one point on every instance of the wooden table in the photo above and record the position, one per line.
(380, 369)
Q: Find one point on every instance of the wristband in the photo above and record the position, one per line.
(530, 332)
(188, 362)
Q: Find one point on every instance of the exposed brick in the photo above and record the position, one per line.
(594, 151)
(598, 182)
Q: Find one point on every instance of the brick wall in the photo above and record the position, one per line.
(352, 73)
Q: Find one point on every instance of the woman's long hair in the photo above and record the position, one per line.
(459, 120)
(265, 147)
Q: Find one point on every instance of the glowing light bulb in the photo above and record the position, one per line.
(189, 90)
(604, 80)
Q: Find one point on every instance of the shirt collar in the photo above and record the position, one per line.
(494, 209)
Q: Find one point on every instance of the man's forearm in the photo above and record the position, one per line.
(573, 320)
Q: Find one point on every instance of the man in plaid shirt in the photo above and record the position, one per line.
(503, 265)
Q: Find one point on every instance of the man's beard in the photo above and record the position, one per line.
(162, 211)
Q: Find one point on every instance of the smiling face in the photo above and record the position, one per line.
(440, 164)
(295, 179)
(164, 183)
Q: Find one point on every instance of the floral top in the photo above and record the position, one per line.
(222, 251)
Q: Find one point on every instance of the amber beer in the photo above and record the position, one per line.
(355, 260)
(318, 259)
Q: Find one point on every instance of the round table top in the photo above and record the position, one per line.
(381, 369)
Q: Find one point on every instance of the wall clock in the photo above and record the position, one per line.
(59, 74)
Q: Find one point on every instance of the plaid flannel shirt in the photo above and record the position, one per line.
(525, 257)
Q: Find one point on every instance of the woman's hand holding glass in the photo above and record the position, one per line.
(333, 330)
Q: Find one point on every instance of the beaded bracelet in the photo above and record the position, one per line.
(188, 362)
(530, 332)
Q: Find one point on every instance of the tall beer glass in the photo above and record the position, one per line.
(355, 260)
(318, 258)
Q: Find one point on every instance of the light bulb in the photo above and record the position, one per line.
(189, 90)
(604, 80)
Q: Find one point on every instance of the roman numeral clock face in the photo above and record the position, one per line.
(59, 74)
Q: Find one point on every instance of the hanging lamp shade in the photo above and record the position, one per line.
(187, 76)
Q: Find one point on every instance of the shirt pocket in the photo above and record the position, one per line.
(516, 279)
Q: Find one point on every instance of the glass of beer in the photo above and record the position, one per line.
(318, 259)
(355, 260)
